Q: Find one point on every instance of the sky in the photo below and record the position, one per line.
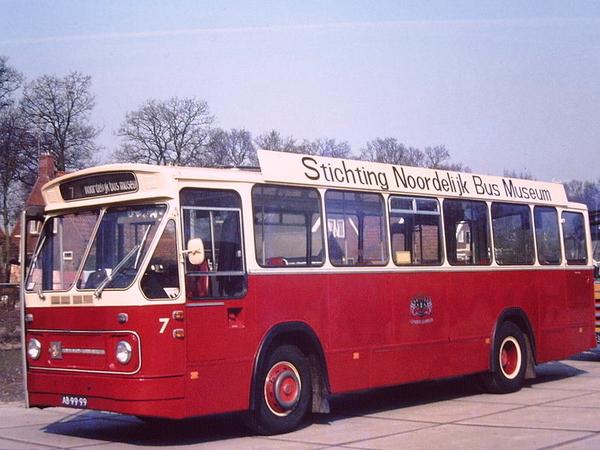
(504, 85)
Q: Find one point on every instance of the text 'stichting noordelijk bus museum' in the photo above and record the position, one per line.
(176, 292)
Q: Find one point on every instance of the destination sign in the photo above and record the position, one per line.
(348, 173)
(102, 185)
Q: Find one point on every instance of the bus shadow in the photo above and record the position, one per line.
(590, 355)
(421, 393)
(105, 427)
(116, 428)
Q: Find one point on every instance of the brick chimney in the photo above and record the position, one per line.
(46, 170)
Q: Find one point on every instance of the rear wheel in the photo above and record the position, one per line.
(283, 392)
(509, 360)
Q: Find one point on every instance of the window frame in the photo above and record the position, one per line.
(529, 240)
(579, 261)
(447, 241)
(205, 270)
(384, 229)
(281, 260)
(541, 228)
(414, 211)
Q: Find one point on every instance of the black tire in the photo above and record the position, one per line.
(283, 393)
(509, 361)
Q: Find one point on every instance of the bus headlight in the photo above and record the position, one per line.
(123, 352)
(34, 348)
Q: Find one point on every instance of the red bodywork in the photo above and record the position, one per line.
(375, 329)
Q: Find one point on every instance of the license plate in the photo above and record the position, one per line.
(74, 402)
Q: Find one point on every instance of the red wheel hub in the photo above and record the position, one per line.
(510, 357)
(282, 388)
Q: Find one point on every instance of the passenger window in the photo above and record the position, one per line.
(513, 234)
(574, 238)
(415, 225)
(287, 226)
(356, 229)
(547, 235)
(161, 277)
(214, 216)
(467, 232)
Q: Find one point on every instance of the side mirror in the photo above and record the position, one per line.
(195, 251)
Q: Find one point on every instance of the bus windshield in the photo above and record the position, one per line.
(119, 237)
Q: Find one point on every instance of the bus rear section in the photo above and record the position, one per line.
(597, 304)
(595, 233)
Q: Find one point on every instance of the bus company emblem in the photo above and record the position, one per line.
(56, 351)
(420, 307)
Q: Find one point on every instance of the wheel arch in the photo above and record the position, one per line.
(520, 319)
(306, 340)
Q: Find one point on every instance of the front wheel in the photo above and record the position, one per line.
(283, 392)
(509, 360)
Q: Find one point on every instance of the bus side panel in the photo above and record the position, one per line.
(567, 323)
(580, 295)
(441, 321)
(360, 320)
(389, 328)
(218, 386)
(221, 345)
(597, 300)
(380, 329)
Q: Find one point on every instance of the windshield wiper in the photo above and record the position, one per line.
(142, 242)
(109, 278)
(136, 250)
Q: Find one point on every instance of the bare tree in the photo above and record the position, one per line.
(325, 147)
(273, 140)
(10, 81)
(457, 167)
(16, 144)
(60, 108)
(586, 192)
(524, 175)
(231, 148)
(11, 146)
(436, 156)
(390, 151)
(166, 132)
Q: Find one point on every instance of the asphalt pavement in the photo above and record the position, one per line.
(560, 409)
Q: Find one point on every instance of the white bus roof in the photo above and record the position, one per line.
(151, 181)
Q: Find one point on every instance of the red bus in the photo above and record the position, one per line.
(175, 292)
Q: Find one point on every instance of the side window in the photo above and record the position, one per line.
(467, 232)
(287, 226)
(547, 235)
(214, 216)
(513, 234)
(415, 230)
(574, 237)
(356, 229)
(161, 277)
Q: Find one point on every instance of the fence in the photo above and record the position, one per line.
(9, 295)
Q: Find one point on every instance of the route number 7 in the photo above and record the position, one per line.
(165, 322)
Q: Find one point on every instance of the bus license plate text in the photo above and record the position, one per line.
(75, 402)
